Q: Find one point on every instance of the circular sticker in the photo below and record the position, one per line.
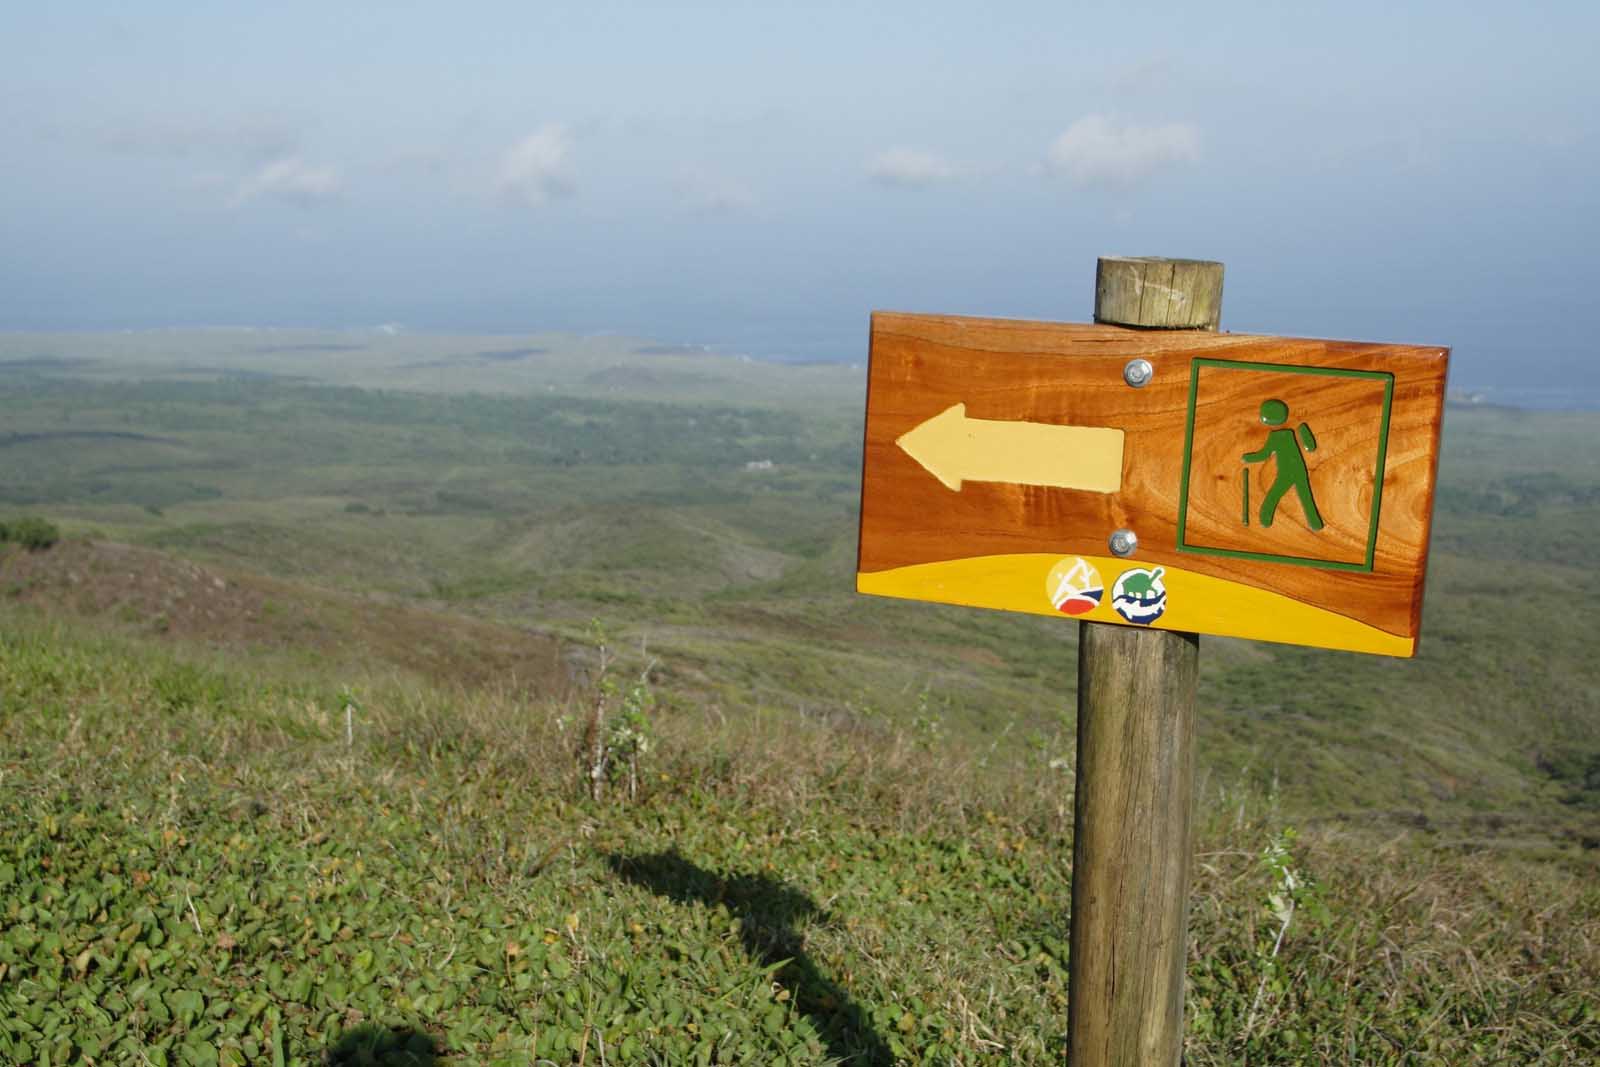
(1074, 586)
(1139, 595)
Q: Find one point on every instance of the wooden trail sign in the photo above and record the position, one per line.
(1280, 489)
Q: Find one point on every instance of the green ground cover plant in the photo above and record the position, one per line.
(206, 866)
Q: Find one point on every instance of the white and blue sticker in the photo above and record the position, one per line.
(1139, 595)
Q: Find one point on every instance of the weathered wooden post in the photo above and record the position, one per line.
(1132, 843)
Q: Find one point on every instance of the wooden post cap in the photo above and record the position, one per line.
(1157, 293)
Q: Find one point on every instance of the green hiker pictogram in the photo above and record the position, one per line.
(1289, 463)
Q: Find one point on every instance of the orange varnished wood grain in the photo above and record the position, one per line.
(1072, 374)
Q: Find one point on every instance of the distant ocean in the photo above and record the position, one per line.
(805, 336)
(1531, 397)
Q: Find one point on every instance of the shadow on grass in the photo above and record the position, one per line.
(380, 1046)
(769, 916)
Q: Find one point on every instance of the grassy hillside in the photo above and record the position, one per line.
(513, 493)
(850, 840)
(213, 864)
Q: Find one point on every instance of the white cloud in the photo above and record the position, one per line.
(1096, 151)
(704, 193)
(291, 180)
(534, 169)
(909, 168)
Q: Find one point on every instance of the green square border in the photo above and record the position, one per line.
(1377, 475)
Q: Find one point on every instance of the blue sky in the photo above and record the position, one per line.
(760, 176)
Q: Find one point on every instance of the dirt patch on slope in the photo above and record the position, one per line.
(146, 591)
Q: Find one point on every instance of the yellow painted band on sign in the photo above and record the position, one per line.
(954, 448)
(1193, 602)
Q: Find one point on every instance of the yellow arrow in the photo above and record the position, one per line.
(955, 449)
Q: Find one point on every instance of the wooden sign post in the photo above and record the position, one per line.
(1149, 473)
(1132, 844)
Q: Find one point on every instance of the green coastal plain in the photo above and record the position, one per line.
(369, 697)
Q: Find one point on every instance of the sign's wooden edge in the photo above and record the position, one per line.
(1435, 447)
(1160, 338)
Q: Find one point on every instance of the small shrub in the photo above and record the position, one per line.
(618, 733)
(31, 532)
